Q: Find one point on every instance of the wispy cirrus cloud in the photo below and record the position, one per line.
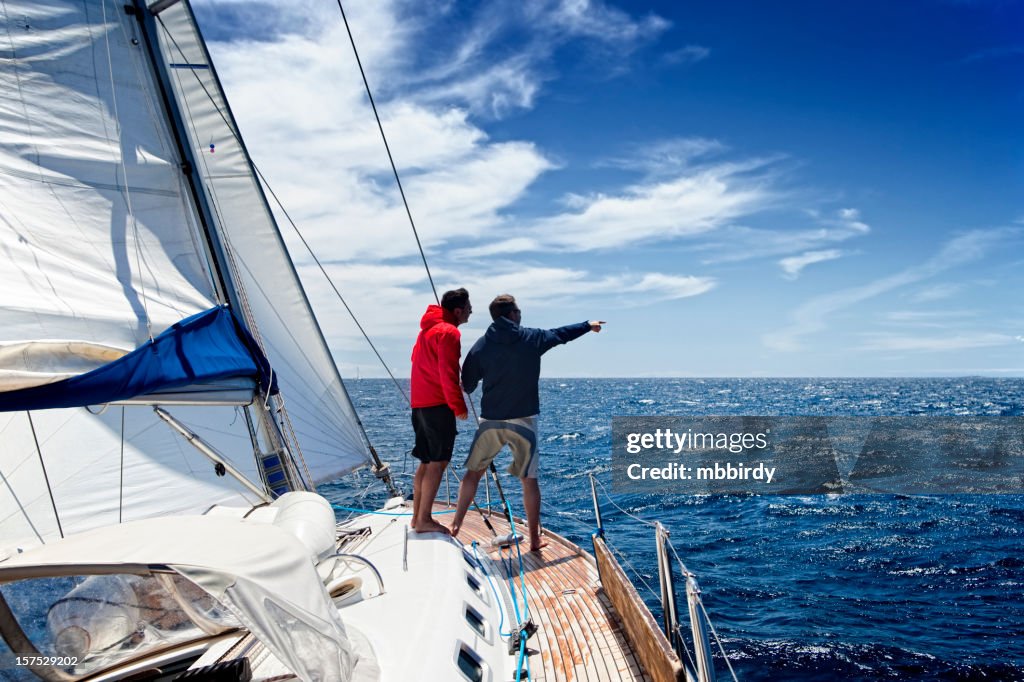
(812, 316)
(936, 292)
(737, 243)
(937, 319)
(666, 157)
(673, 201)
(689, 54)
(479, 73)
(794, 265)
(945, 342)
(597, 20)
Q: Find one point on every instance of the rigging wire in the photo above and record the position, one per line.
(46, 478)
(387, 147)
(682, 567)
(608, 496)
(341, 298)
(718, 640)
(287, 215)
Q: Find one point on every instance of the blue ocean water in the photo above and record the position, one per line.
(840, 587)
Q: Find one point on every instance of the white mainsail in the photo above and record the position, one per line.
(103, 247)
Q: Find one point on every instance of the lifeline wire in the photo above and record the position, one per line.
(686, 572)
(394, 168)
(608, 495)
(717, 640)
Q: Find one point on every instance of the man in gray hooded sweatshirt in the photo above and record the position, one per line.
(507, 360)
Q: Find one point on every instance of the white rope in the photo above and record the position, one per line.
(124, 172)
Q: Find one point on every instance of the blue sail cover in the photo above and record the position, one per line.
(207, 347)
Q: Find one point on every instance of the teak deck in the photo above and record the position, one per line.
(579, 637)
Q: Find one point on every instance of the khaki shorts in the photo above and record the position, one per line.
(520, 435)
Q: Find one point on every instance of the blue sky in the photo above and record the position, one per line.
(739, 189)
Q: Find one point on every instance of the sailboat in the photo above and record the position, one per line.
(168, 405)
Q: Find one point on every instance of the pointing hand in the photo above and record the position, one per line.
(595, 325)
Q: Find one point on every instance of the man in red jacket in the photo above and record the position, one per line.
(436, 400)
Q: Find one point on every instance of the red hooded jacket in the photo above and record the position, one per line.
(435, 362)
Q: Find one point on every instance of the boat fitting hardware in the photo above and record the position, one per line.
(523, 632)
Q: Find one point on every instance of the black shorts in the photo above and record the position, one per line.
(435, 433)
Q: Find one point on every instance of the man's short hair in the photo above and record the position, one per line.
(457, 298)
(502, 306)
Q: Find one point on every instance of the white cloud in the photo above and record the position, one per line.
(686, 205)
(936, 292)
(597, 20)
(690, 54)
(946, 342)
(666, 157)
(794, 265)
(388, 300)
(736, 243)
(937, 319)
(811, 316)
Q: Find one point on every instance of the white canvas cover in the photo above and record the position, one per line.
(261, 573)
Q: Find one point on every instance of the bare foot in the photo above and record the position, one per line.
(432, 526)
(455, 529)
(537, 546)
